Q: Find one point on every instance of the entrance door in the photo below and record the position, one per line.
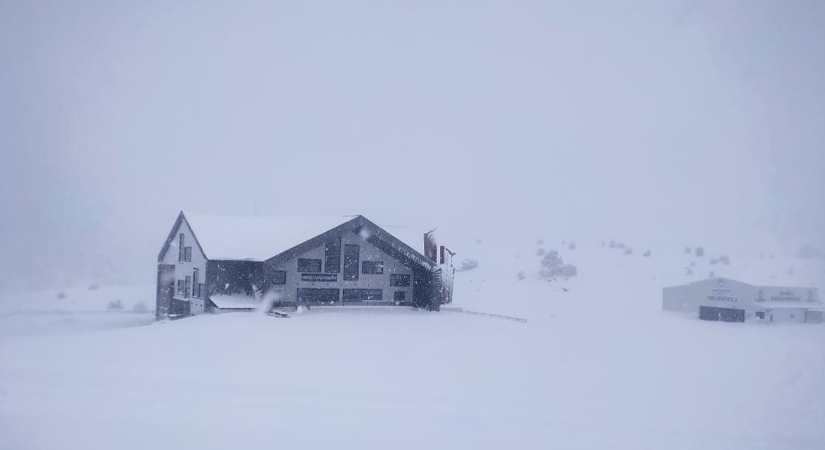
(166, 290)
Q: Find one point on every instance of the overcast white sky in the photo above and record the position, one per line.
(697, 118)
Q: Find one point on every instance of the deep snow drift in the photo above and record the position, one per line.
(598, 365)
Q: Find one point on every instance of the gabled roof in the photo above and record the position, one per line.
(276, 238)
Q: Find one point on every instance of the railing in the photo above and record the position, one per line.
(483, 314)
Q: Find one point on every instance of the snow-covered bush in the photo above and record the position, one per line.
(553, 267)
(572, 245)
(61, 295)
(117, 304)
(699, 252)
(520, 275)
(628, 251)
(646, 254)
(540, 242)
(539, 251)
(688, 250)
(140, 307)
(468, 264)
(688, 271)
(92, 287)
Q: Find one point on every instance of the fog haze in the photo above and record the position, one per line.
(670, 120)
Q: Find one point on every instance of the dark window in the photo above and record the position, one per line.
(180, 287)
(356, 295)
(318, 295)
(332, 254)
(196, 283)
(399, 296)
(760, 315)
(180, 248)
(372, 267)
(279, 277)
(186, 286)
(397, 279)
(442, 254)
(187, 254)
(351, 259)
(200, 290)
(309, 265)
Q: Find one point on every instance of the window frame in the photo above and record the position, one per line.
(349, 264)
(377, 267)
(275, 277)
(187, 254)
(312, 261)
(196, 282)
(360, 298)
(186, 284)
(394, 279)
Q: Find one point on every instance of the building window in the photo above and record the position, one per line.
(200, 290)
(397, 279)
(357, 295)
(196, 283)
(180, 248)
(180, 287)
(318, 295)
(309, 265)
(279, 277)
(760, 314)
(187, 254)
(187, 283)
(372, 267)
(399, 296)
(352, 256)
(332, 255)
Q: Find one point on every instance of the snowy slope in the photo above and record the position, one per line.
(596, 366)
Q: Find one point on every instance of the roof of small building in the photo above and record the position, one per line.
(256, 238)
(791, 305)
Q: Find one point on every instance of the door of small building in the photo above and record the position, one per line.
(166, 290)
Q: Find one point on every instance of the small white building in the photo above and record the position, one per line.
(723, 299)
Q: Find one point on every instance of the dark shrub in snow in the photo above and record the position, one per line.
(572, 246)
(628, 251)
(92, 287)
(699, 252)
(117, 304)
(61, 295)
(468, 264)
(646, 254)
(140, 307)
(520, 276)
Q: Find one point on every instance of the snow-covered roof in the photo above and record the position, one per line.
(235, 301)
(259, 238)
(791, 305)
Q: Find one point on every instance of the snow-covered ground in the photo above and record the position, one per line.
(597, 365)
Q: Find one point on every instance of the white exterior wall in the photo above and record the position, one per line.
(289, 291)
(786, 315)
(182, 269)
